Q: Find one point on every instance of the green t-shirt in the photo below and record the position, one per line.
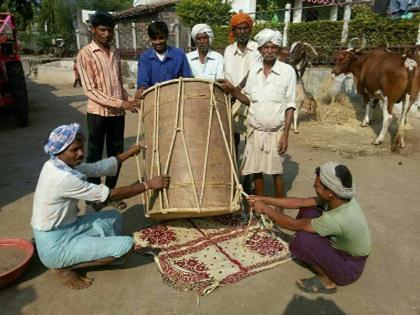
(347, 228)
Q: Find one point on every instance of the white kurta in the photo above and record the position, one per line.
(270, 97)
(212, 69)
(236, 67)
(59, 190)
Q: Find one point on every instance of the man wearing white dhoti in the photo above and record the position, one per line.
(270, 94)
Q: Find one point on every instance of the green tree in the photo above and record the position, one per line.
(104, 5)
(23, 10)
(56, 21)
(268, 5)
(212, 12)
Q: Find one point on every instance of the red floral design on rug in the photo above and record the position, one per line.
(192, 264)
(233, 219)
(205, 253)
(158, 235)
(264, 245)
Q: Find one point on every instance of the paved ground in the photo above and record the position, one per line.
(388, 188)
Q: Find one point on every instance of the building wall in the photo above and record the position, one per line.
(125, 36)
(167, 15)
(124, 39)
(142, 39)
(82, 31)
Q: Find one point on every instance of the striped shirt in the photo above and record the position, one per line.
(100, 73)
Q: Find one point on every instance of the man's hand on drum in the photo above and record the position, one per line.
(131, 105)
(227, 87)
(139, 93)
(136, 148)
(158, 182)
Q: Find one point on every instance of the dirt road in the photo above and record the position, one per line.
(388, 186)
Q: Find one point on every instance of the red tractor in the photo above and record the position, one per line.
(12, 78)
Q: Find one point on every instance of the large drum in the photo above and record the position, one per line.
(187, 126)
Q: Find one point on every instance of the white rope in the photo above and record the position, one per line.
(179, 128)
(266, 221)
(143, 196)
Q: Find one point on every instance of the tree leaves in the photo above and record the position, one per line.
(212, 12)
(104, 5)
(23, 10)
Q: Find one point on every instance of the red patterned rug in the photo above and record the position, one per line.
(203, 254)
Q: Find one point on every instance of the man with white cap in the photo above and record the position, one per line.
(270, 93)
(65, 241)
(204, 63)
(333, 238)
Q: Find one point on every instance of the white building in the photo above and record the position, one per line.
(246, 6)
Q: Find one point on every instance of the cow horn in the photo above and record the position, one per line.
(363, 46)
(312, 48)
(349, 45)
(294, 45)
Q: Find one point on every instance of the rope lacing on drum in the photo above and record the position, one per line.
(236, 192)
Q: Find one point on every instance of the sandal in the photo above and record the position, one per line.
(314, 285)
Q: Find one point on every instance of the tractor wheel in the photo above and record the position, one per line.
(16, 80)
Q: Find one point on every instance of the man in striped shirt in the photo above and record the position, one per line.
(99, 65)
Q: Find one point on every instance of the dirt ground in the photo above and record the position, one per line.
(388, 186)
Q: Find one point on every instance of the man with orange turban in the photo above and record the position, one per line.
(238, 58)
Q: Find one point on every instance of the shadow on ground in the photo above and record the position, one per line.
(17, 298)
(302, 305)
(25, 155)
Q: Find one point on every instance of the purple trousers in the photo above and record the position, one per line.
(314, 249)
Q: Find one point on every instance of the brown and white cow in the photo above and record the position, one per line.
(300, 56)
(385, 76)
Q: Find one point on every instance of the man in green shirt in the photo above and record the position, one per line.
(333, 238)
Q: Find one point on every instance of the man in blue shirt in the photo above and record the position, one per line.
(162, 62)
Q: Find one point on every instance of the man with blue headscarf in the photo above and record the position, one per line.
(64, 240)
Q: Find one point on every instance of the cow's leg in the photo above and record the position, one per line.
(399, 139)
(295, 120)
(366, 120)
(386, 118)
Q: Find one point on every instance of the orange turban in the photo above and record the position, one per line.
(237, 19)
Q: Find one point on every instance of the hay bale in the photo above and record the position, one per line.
(337, 127)
(333, 106)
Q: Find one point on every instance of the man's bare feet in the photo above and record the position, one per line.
(71, 279)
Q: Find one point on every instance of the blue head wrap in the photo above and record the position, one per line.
(60, 138)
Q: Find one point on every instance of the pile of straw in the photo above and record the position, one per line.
(337, 125)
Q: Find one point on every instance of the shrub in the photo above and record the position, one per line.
(212, 12)
(326, 35)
